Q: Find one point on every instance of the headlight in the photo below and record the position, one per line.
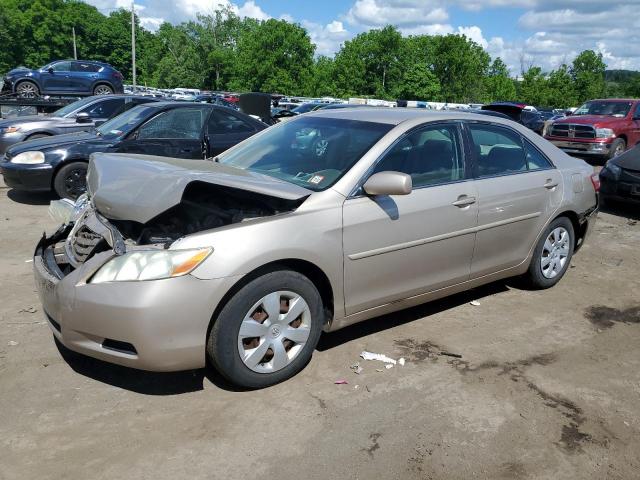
(151, 265)
(614, 169)
(28, 158)
(9, 130)
(605, 133)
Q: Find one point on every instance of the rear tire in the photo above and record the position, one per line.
(71, 180)
(103, 90)
(27, 89)
(552, 254)
(254, 342)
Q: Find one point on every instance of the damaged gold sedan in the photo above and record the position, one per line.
(318, 223)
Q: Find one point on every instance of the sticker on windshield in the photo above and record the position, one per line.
(316, 179)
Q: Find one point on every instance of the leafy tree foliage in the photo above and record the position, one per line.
(587, 72)
(222, 51)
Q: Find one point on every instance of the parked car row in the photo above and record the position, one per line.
(171, 129)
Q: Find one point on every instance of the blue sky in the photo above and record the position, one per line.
(521, 32)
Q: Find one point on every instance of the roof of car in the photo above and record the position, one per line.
(395, 116)
(175, 103)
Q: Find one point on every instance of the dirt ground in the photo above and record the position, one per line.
(548, 387)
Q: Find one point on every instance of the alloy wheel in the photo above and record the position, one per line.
(27, 90)
(555, 252)
(102, 90)
(321, 147)
(75, 182)
(274, 331)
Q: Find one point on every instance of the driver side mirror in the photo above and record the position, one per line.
(83, 118)
(50, 69)
(388, 183)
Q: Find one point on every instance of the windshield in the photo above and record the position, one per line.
(72, 107)
(124, 123)
(312, 152)
(611, 109)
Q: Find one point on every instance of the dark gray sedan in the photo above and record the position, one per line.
(76, 117)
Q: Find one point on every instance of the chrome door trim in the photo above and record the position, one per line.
(438, 238)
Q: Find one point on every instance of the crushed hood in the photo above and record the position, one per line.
(140, 187)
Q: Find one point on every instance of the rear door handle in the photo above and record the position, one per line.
(464, 201)
(550, 184)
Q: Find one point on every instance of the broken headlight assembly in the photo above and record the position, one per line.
(150, 265)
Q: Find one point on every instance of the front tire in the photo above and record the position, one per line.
(267, 331)
(27, 89)
(552, 255)
(71, 180)
(618, 147)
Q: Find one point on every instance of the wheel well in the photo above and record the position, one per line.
(308, 269)
(41, 134)
(102, 82)
(624, 137)
(27, 80)
(579, 230)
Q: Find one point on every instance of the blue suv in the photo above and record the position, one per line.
(64, 77)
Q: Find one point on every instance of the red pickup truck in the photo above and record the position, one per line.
(603, 128)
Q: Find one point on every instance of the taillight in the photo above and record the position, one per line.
(595, 181)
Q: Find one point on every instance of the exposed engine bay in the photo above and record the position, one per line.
(203, 207)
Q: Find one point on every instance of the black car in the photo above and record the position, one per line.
(168, 129)
(620, 177)
(79, 116)
(519, 113)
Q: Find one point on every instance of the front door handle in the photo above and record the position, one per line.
(464, 201)
(550, 184)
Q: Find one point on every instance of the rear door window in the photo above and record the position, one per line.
(223, 122)
(84, 67)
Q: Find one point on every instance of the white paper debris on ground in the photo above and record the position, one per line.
(401, 362)
(475, 303)
(377, 356)
(11, 343)
(388, 366)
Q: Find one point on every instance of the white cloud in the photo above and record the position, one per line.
(251, 10)
(327, 38)
(396, 12)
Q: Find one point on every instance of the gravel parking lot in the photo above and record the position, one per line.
(548, 386)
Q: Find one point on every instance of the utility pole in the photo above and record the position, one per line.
(133, 45)
(75, 53)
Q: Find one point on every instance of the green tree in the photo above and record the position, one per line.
(275, 56)
(322, 81)
(498, 84)
(370, 64)
(561, 90)
(587, 72)
(534, 88)
(460, 65)
(418, 83)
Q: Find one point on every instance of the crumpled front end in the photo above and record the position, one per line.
(156, 325)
